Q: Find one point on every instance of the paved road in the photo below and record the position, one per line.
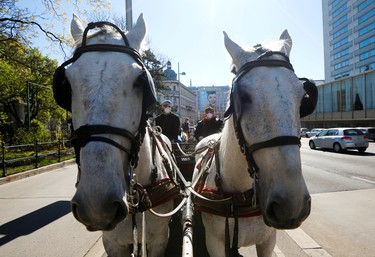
(35, 218)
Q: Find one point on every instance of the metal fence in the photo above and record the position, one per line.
(37, 152)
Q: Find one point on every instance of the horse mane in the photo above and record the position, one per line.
(258, 49)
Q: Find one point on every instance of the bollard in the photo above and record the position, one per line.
(36, 154)
(3, 158)
(59, 150)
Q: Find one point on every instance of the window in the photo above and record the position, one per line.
(339, 10)
(370, 91)
(341, 65)
(366, 16)
(340, 21)
(340, 43)
(340, 54)
(367, 29)
(332, 132)
(345, 95)
(327, 98)
(340, 32)
(367, 42)
(364, 4)
(358, 92)
(319, 105)
(335, 3)
(335, 96)
(342, 75)
(367, 55)
(367, 67)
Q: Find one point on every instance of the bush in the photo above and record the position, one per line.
(37, 131)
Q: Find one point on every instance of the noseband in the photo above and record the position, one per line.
(277, 141)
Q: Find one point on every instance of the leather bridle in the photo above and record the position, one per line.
(91, 133)
(253, 168)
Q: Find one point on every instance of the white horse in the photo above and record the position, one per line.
(255, 162)
(108, 89)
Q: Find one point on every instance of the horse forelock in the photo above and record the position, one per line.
(274, 108)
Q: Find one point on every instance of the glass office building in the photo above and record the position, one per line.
(347, 98)
(349, 37)
(347, 102)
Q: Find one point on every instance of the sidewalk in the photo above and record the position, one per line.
(343, 222)
(36, 171)
(35, 215)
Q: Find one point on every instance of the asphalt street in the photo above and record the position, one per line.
(35, 218)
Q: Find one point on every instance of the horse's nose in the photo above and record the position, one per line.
(283, 213)
(95, 218)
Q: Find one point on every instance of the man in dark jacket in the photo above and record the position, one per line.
(208, 125)
(169, 122)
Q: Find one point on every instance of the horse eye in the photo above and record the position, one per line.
(244, 96)
(139, 81)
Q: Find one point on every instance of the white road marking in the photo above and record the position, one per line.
(363, 179)
(278, 252)
(307, 244)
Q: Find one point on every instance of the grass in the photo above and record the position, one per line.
(49, 158)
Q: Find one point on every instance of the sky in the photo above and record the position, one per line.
(189, 33)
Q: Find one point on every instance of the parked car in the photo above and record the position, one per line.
(369, 132)
(303, 132)
(340, 139)
(313, 132)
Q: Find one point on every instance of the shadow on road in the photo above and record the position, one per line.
(33, 221)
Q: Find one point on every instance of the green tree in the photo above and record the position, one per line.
(25, 85)
(17, 23)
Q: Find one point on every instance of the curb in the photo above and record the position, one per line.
(97, 250)
(36, 171)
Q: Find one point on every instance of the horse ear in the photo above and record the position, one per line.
(137, 33)
(287, 44)
(76, 28)
(234, 50)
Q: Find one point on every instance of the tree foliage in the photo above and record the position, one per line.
(18, 23)
(26, 75)
(25, 87)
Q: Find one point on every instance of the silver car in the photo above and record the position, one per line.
(313, 132)
(340, 139)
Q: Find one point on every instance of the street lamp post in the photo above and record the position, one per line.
(129, 14)
(179, 86)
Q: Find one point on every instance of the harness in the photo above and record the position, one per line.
(243, 204)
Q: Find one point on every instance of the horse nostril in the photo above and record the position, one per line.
(270, 211)
(74, 207)
(122, 211)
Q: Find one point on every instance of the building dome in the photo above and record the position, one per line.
(171, 74)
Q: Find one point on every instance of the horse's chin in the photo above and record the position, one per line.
(108, 227)
(292, 224)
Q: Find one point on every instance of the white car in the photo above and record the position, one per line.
(303, 132)
(340, 139)
(313, 132)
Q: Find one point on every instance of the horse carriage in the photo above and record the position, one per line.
(245, 183)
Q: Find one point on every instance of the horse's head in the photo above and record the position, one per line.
(107, 88)
(265, 104)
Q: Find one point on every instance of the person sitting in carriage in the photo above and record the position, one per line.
(169, 122)
(208, 125)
